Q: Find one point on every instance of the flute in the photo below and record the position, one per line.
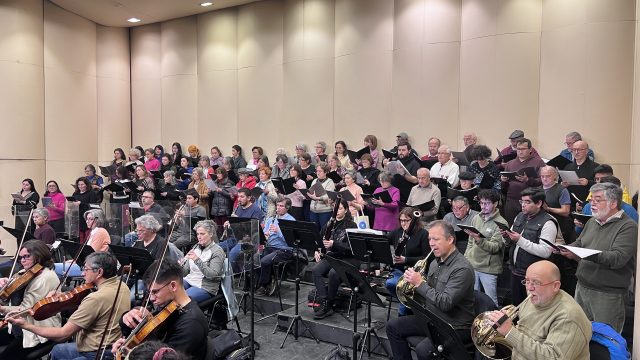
(185, 258)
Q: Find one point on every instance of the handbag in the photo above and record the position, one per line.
(361, 220)
(225, 343)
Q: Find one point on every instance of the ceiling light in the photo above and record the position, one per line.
(206, 4)
(134, 20)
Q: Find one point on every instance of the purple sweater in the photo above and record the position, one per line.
(387, 215)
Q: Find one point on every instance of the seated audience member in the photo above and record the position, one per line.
(89, 321)
(56, 207)
(151, 163)
(513, 187)
(445, 168)
(433, 146)
(531, 225)
(386, 214)
(487, 173)
(584, 168)
(424, 192)
(604, 278)
(447, 288)
(515, 136)
(411, 243)
(16, 343)
(486, 253)
(461, 213)
(571, 139)
(405, 182)
(276, 249)
(337, 247)
(182, 235)
(99, 240)
(43, 231)
(187, 330)
(551, 324)
(202, 266)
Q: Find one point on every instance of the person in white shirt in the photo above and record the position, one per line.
(445, 168)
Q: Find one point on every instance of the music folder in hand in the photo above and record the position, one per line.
(108, 171)
(333, 175)
(471, 229)
(388, 154)
(559, 162)
(284, 186)
(583, 218)
(505, 158)
(344, 194)
(461, 158)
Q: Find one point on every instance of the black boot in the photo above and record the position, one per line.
(324, 310)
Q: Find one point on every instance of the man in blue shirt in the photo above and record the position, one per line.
(246, 208)
(571, 138)
(276, 249)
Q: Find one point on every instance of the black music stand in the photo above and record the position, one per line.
(445, 339)
(370, 246)
(297, 233)
(139, 259)
(359, 284)
(72, 247)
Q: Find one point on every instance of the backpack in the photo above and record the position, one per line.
(606, 336)
(338, 353)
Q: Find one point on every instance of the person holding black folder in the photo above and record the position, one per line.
(23, 201)
(281, 168)
(369, 174)
(320, 208)
(56, 206)
(423, 193)
(222, 197)
(486, 171)
(405, 182)
(411, 244)
(584, 168)
(386, 214)
(297, 199)
(337, 246)
(84, 196)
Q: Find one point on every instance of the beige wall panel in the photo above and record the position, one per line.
(260, 34)
(69, 42)
(442, 21)
(217, 40)
(319, 29)
(21, 31)
(561, 13)
(114, 117)
(65, 173)
(146, 111)
(605, 10)
(562, 82)
(22, 102)
(363, 96)
(407, 98)
(477, 85)
(146, 52)
(70, 110)
(217, 109)
(493, 17)
(260, 107)
(408, 23)
(608, 93)
(13, 173)
(307, 103)
(179, 46)
(112, 52)
(363, 26)
(294, 30)
(179, 109)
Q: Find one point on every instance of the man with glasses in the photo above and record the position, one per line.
(525, 247)
(584, 168)
(89, 321)
(604, 278)
(486, 253)
(551, 325)
(424, 192)
(445, 168)
(513, 187)
(148, 206)
(186, 329)
(570, 139)
(461, 213)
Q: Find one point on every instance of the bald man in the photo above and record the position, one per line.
(584, 168)
(552, 325)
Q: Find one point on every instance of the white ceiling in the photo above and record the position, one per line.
(116, 12)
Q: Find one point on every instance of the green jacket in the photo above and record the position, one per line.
(486, 255)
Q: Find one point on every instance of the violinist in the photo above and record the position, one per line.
(89, 321)
(336, 246)
(411, 243)
(20, 343)
(184, 330)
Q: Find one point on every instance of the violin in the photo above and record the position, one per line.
(20, 282)
(52, 305)
(146, 328)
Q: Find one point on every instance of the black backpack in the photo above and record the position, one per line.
(338, 353)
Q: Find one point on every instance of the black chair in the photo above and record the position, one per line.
(36, 354)
(598, 351)
(214, 305)
(209, 354)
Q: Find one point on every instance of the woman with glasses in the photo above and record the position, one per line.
(55, 206)
(202, 265)
(16, 343)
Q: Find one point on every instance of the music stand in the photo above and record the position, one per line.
(443, 332)
(359, 284)
(369, 246)
(72, 247)
(139, 259)
(295, 233)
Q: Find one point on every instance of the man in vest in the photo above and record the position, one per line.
(525, 246)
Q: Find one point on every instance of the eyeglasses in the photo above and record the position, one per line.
(535, 283)
(578, 150)
(485, 203)
(156, 291)
(525, 202)
(522, 149)
(405, 220)
(597, 201)
(24, 257)
(85, 269)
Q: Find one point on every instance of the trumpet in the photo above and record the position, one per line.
(405, 289)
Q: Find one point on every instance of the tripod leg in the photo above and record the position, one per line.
(380, 343)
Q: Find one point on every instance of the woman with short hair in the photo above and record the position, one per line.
(202, 266)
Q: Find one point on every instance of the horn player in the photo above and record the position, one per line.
(551, 324)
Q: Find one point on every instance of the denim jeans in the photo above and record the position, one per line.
(60, 268)
(195, 293)
(69, 351)
(319, 218)
(130, 239)
(489, 284)
(391, 284)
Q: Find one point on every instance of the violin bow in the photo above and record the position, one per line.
(24, 234)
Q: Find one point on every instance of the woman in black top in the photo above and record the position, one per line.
(84, 196)
(176, 152)
(416, 247)
(369, 174)
(158, 151)
(166, 163)
(337, 247)
(22, 208)
(238, 158)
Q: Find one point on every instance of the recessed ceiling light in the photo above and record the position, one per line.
(206, 3)
(134, 20)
